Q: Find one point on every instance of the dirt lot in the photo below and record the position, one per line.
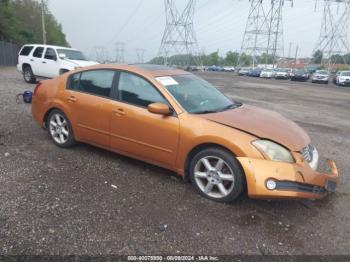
(55, 201)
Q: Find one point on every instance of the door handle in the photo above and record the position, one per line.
(119, 112)
(44, 62)
(72, 99)
(31, 60)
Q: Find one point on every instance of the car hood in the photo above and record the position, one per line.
(81, 63)
(263, 124)
(320, 75)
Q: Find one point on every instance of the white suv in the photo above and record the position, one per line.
(48, 61)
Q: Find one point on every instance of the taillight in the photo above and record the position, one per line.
(36, 88)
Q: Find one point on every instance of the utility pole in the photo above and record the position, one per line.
(43, 5)
(120, 52)
(140, 54)
(264, 30)
(179, 36)
(333, 39)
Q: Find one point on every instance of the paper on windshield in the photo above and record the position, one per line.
(167, 81)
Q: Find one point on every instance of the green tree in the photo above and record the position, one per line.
(20, 22)
(213, 59)
(231, 58)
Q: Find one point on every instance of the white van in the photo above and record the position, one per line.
(48, 61)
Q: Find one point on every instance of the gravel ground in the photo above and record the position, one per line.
(89, 201)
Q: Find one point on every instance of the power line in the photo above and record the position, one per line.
(333, 39)
(120, 52)
(179, 36)
(140, 52)
(264, 30)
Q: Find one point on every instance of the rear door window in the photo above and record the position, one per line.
(26, 50)
(96, 82)
(38, 52)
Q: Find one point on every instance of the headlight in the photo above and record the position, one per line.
(273, 151)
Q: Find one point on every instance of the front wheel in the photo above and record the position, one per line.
(60, 129)
(216, 175)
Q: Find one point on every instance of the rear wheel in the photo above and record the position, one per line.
(60, 129)
(216, 175)
(28, 75)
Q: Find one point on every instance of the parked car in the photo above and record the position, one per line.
(299, 75)
(215, 68)
(48, 61)
(254, 72)
(343, 79)
(267, 73)
(335, 76)
(178, 121)
(191, 69)
(228, 69)
(320, 76)
(243, 71)
(282, 73)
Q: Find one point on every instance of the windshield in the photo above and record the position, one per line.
(300, 71)
(71, 54)
(196, 95)
(322, 72)
(347, 73)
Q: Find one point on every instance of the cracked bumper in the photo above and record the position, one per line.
(296, 180)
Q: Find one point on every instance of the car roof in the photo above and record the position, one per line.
(153, 70)
(52, 46)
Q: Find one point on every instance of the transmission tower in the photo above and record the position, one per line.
(101, 54)
(333, 39)
(179, 37)
(140, 54)
(264, 31)
(120, 52)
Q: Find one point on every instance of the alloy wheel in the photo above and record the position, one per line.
(58, 127)
(214, 177)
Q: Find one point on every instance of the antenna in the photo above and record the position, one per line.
(179, 36)
(263, 34)
(333, 39)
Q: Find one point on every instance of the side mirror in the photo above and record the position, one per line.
(62, 56)
(159, 109)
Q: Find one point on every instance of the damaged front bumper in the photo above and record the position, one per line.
(291, 180)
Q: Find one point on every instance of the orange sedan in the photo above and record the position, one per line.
(178, 121)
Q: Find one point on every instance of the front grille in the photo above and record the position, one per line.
(299, 187)
(307, 153)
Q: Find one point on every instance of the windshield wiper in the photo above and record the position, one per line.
(232, 106)
(205, 112)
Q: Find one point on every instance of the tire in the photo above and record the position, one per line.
(60, 129)
(217, 175)
(28, 75)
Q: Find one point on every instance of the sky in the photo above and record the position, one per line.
(218, 24)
